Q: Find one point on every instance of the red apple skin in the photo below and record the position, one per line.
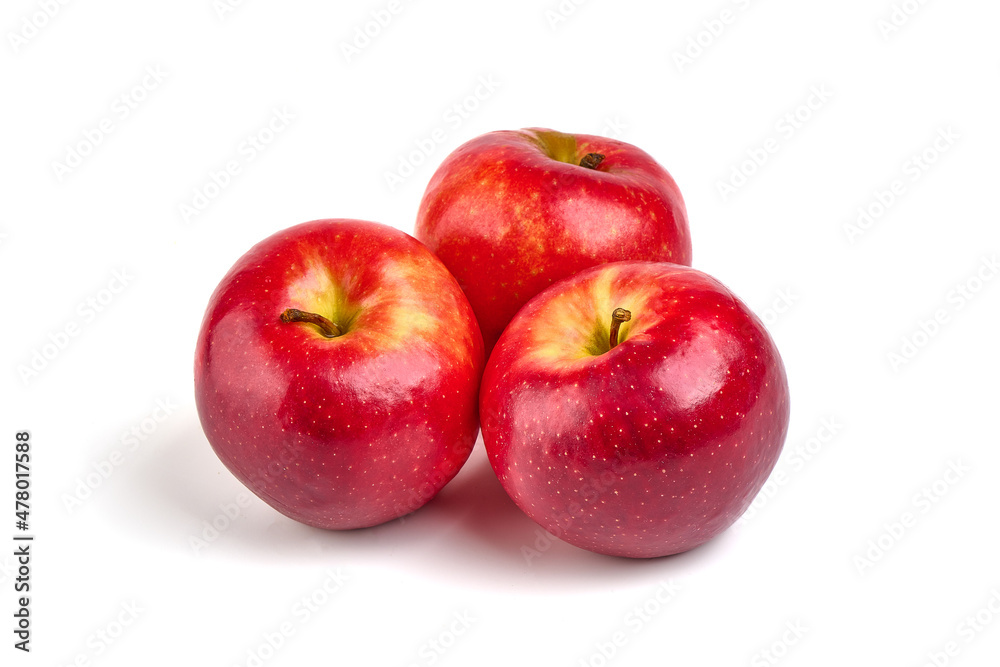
(647, 449)
(350, 431)
(511, 212)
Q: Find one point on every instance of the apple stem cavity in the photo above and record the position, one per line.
(326, 327)
(617, 317)
(591, 160)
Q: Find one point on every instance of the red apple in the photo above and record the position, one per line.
(509, 213)
(337, 371)
(637, 432)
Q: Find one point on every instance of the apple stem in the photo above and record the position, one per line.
(591, 160)
(326, 327)
(617, 317)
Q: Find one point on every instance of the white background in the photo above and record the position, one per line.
(824, 551)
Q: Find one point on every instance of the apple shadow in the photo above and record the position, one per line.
(495, 530)
(181, 497)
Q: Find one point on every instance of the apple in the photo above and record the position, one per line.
(511, 212)
(634, 409)
(337, 372)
